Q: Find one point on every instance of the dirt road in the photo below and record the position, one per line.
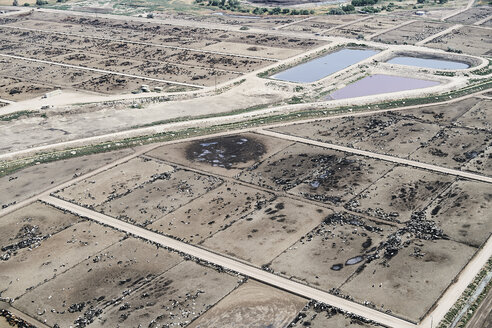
(235, 265)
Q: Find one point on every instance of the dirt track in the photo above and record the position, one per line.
(235, 265)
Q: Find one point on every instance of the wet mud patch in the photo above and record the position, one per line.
(226, 151)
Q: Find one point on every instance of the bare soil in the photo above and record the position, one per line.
(32, 180)
(409, 285)
(478, 117)
(320, 257)
(316, 173)
(114, 182)
(261, 148)
(30, 226)
(252, 305)
(322, 318)
(366, 27)
(161, 195)
(470, 40)
(269, 230)
(55, 255)
(399, 193)
(463, 212)
(177, 297)
(103, 280)
(214, 211)
(471, 16)
(453, 147)
(413, 32)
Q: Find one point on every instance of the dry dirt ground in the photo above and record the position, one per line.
(448, 136)
(321, 24)
(115, 182)
(400, 192)
(234, 154)
(468, 39)
(31, 180)
(98, 282)
(409, 284)
(412, 33)
(152, 200)
(316, 173)
(178, 296)
(252, 305)
(471, 16)
(366, 27)
(203, 217)
(56, 253)
(17, 89)
(269, 230)
(463, 212)
(330, 253)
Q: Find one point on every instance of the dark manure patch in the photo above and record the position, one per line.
(225, 151)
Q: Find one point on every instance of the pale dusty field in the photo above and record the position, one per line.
(205, 216)
(103, 279)
(32, 180)
(268, 230)
(114, 182)
(56, 254)
(252, 305)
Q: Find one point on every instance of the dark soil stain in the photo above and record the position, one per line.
(225, 151)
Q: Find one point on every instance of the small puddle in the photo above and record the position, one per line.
(378, 84)
(337, 267)
(319, 68)
(354, 260)
(428, 63)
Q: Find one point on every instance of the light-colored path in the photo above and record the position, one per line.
(293, 23)
(85, 36)
(102, 71)
(235, 265)
(387, 158)
(483, 21)
(6, 101)
(346, 24)
(434, 36)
